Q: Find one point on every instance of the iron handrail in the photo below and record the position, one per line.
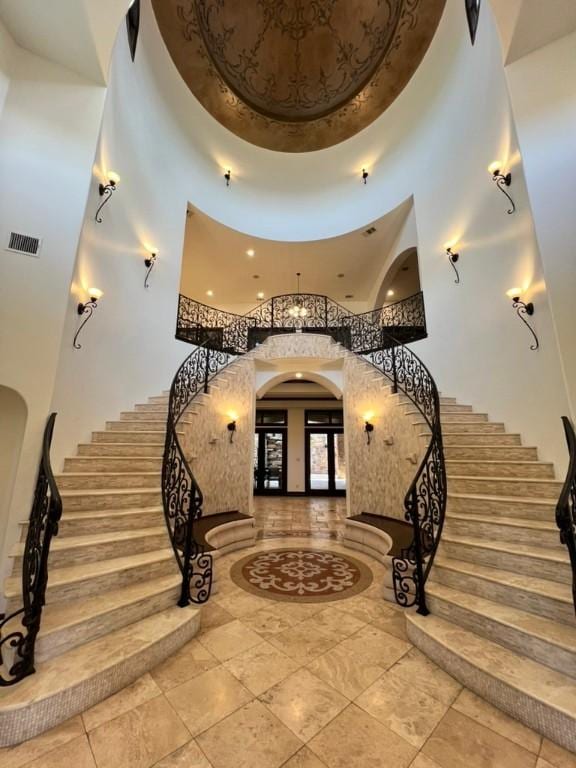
(566, 506)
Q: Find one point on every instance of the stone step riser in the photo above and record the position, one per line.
(453, 408)
(62, 640)
(114, 464)
(154, 436)
(137, 426)
(479, 427)
(118, 449)
(514, 562)
(496, 533)
(489, 453)
(537, 603)
(523, 642)
(103, 481)
(480, 440)
(502, 487)
(404, 400)
(467, 418)
(159, 400)
(500, 469)
(88, 525)
(501, 508)
(152, 408)
(158, 417)
(90, 501)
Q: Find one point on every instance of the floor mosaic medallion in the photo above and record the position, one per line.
(301, 575)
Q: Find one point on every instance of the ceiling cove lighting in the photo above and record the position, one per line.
(87, 308)
(453, 258)
(502, 180)
(523, 310)
(149, 262)
(106, 191)
(297, 310)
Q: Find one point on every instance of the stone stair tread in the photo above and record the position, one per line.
(497, 462)
(511, 548)
(60, 543)
(75, 573)
(550, 631)
(497, 497)
(531, 678)
(499, 478)
(513, 522)
(104, 491)
(553, 589)
(129, 473)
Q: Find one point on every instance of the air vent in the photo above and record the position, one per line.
(369, 231)
(26, 244)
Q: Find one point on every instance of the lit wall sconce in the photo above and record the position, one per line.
(365, 175)
(368, 426)
(453, 258)
(149, 262)
(231, 426)
(502, 180)
(87, 309)
(523, 310)
(228, 177)
(106, 191)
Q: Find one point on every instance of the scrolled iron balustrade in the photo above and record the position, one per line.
(566, 506)
(19, 630)
(365, 335)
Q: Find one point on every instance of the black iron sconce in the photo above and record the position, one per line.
(149, 262)
(106, 191)
(524, 310)
(365, 175)
(453, 258)
(86, 309)
(368, 426)
(502, 181)
(231, 426)
(228, 177)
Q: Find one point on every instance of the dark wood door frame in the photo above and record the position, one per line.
(260, 485)
(330, 432)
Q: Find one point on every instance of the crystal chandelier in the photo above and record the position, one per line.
(297, 310)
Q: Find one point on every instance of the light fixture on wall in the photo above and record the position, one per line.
(453, 258)
(149, 262)
(106, 191)
(502, 180)
(231, 426)
(523, 310)
(368, 426)
(86, 309)
(228, 177)
(365, 175)
(297, 310)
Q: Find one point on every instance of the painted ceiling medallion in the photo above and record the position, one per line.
(297, 75)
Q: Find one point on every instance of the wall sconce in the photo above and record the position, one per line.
(365, 175)
(502, 181)
(228, 177)
(523, 310)
(86, 309)
(231, 426)
(106, 191)
(453, 258)
(368, 426)
(149, 262)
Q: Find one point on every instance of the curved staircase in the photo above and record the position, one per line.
(502, 617)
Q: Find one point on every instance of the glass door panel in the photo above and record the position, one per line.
(339, 462)
(319, 475)
(270, 461)
(325, 461)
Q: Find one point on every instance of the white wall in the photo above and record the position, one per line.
(7, 54)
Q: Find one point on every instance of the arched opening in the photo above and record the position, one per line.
(401, 280)
(13, 417)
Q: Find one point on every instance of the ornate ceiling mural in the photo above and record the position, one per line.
(297, 75)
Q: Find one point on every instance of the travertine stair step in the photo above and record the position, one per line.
(480, 439)
(535, 532)
(79, 679)
(470, 427)
(115, 436)
(466, 417)
(152, 408)
(141, 425)
(499, 468)
(501, 506)
(68, 624)
(505, 486)
(446, 408)
(159, 400)
(405, 400)
(540, 697)
(117, 498)
(157, 417)
(543, 640)
(114, 463)
(106, 521)
(78, 481)
(93, 578)
(548, 563)
(66, 551)
(529, 593)
(154, 449)
(489, 453)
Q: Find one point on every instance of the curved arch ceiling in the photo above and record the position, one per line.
(297, 75)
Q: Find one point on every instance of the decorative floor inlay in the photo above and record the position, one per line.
(302, 575)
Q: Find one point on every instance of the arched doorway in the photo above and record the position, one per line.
(13, 417)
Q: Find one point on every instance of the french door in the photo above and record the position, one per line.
(325, 461)
(270, 461)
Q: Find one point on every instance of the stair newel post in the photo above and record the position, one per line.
(419, 565)
(207, 371)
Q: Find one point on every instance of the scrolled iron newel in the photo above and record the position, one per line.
(19, 629)
(566, 506)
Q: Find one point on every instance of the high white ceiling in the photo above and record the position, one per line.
(215, 259)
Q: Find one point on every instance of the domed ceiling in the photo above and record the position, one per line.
(297, 75)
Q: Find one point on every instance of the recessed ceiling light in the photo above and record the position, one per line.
(250, 252)
(209, 293)
(390, 292)
(299, 375)
(260, 295)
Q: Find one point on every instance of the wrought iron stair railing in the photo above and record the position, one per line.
(223, 335)
(19, 629)
(566, 506)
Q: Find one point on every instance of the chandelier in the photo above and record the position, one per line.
(298, 310)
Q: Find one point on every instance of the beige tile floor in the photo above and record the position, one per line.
(317, 516)
(267, 684)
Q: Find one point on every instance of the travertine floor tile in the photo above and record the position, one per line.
(376, 647)
(459, 741)
(338, 623)
(188, 756)
(422, 761)
(128, 698)
(417, 670)
(240, 603)
(261, 667)
(364, 608)
(304, 703)
(75, 754)
(229, 640)
(213, 615)
(356, 740)
(483, 712)
(268, 621)
(304, 759)
(252, 737)
(139, 738)
(345, 671)
(303, 642)
(206, 699)
(544, 763)
(559, 757)
(394, 623)
(191, 660)
(22, 754)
